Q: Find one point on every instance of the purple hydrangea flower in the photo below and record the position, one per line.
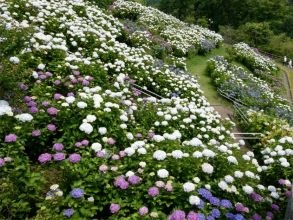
(58, 147)
(59, 156)
(177, 215)
(33, 110)
(68, 212)
(57, 96)
(256, 217)
(121, 182)
(85, 142)
(77, 193)
(85, 82)
(282, 181)
(78, 144)
(256, 197)
(74, 158)
(275, 207)
(114, 208)
(45, 103)
(36, 133)
(2, 162)
(143, 210)
(31, 104)
(70, 94)
(52, 111)
(44, 158)
(153, 191)
(209, 217)
(27, 98)
(10, 138)
(57, 82)
(100, 154)
(133, 180)
(192, 216)
(51, 127)
(111, 141)
(23, 87)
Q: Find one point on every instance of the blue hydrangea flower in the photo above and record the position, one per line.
(68, 212)
(201, 216)
(77, 193)
(229, 216)
(239, 217)
(216, 213)
(210, 217)
(201, 204)
(215, 201)
(225, 203)
(205, 193)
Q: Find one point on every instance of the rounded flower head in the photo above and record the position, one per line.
(51, 127)
(114, 208)
(58, 147)
(52, 111)
(121, 182)
(160, 155)
(143, 210)
(74, 158)
(207, 168)
(59, 156)
(68, 213)
(2, 162)
(153, 191)
(192, 216)
(188, 187)
(133, 180)
(77, 193)
(163, 173)
(44, 158)
(177, 215)
(10, 138)
(36, 133)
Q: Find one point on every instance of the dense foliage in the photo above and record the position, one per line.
(258, 23)
(87, 139)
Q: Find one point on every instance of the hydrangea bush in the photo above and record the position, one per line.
(261, 66)
(87, 143)
(248, 89)
(182, 37)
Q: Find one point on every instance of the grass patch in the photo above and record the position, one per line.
(197, 66)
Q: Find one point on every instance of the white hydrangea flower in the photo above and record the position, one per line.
(81, 105)
(177, 154)
(160, 155)
(194, 200)
(25, 117)
(96, 147)
(86, 127)
(207, 168)
(188, 187)
(163, 173)
(14, 60)
(247, 189)
(102, 130)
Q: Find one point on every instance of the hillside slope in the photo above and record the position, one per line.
(110, 125)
